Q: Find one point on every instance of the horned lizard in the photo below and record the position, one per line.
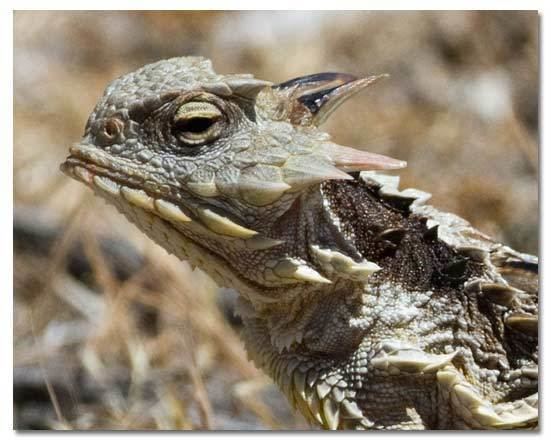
(369, 308)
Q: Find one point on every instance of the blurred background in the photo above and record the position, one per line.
(112, 333)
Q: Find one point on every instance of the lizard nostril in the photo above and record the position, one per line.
(109, 133)
(113, 127)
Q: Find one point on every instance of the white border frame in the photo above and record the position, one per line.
(6, 176)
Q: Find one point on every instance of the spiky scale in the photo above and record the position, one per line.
(393, 235)
(293, 269)
(299, 381)
(350, 409)
(499, 293)
(223, 225)
(314, 404)
(381, 179)
(525, 323)
(259, 242)
(204, 189)
(337, 394)
(171, 211)
(331, 413)
(322, 389)
(246, 87)
(412, 361)
(107, 185)
(431, 234)
(139, 198)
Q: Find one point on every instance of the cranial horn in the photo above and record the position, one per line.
(320, 94)
(349, 159)
(246, 87)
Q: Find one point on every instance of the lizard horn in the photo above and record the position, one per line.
(349, 159)
(318, 95)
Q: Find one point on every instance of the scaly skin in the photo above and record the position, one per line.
(369, 309)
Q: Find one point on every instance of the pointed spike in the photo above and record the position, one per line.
(311, 378)
(473, 286)
(293, 269)
(299, 380)
(468, 396)
(393, 235)
(363, 270)
(82, 174)
(419, 197)
(412, 361)
(306, 170)
(331, 413)
(349, 159)
(302, 406)
(204, 189)
(246, 87)
(259, 242)
(503, 415)
(475, 253)
(519, 413)
(291, 366)
(338, 394)
(431, 234)
(350, 410)
(260, 193)
(439, 361)
(286, 387)
(323, 255)
(532, 400)
(170, 211)
(314, 405)
(335, 261)
(499, 294)
(310, 275)
(398, 199)
(222, 225)
(221, 89)
(380, 179)
(448, 377)
(530, 372)
(327, 101)
(486, 415)
(138, 198)
(107, 185)
(322, 389)
(524, 323)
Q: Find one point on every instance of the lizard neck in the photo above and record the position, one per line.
(291, 311)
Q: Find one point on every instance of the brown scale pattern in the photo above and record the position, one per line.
(409, 254)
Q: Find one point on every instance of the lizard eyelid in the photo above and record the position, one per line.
(198, 122)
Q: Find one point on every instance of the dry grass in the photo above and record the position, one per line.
(155, 350)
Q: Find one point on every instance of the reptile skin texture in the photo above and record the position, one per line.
(368, 307)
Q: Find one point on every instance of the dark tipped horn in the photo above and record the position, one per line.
(320, 94)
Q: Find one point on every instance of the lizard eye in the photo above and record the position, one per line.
(196, 123)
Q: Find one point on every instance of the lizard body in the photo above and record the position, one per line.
(369, 308)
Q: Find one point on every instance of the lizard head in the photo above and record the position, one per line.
(206, 163)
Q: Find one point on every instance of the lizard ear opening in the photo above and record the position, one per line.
(315, 97)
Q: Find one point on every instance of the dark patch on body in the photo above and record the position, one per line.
(387, 233)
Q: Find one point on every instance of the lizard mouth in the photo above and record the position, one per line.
(95, 169)
(194, 218)
(115, 187)
(184, 232)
